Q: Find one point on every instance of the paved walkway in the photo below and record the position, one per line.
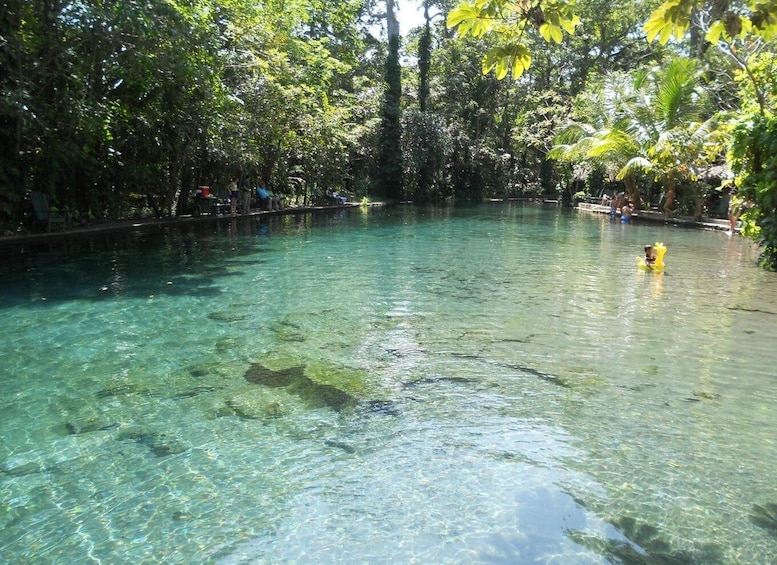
(150, 224)
(718, 224)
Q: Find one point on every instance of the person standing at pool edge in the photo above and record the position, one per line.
(737, 207)
(245, 189)
(233, 195)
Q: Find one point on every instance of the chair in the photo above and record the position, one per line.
(44, 211)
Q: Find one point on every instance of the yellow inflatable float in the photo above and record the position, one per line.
(658, 265)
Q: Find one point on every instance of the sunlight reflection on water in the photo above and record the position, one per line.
(498, 384)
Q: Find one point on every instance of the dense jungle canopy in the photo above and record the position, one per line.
(119, 109)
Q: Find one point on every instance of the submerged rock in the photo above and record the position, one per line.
(294, 380)
(288, 331)
(17, 468)
(706, 395)
(553, 379)
(11, 515)
(260, 375)
(226, 344)
(227, 316)
(348, 448)
(385, 407)
(89, 424)
(160, 444)
(183, 516)
(194, 392)
(439, 380)
(121, 390)
(199, 371)
(254, 405)
(765, 516)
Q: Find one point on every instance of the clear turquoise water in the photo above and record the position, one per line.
(491, 385)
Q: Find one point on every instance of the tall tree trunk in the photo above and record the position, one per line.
(392, 25)
(424, 61)
(389, 179)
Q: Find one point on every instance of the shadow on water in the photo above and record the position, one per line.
(155, 260)
(544, 514)
(172, 261)
(642, 545)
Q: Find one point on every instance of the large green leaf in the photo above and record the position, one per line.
(670, 19)
(514, 58)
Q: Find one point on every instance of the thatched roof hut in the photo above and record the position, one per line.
(716, 174)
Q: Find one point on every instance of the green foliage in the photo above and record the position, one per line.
(389, 176)
(753, 142)
(426, 146)
(502, 59)
(672, 19)
(119, 108)
(754, 157)
(649, 122)
(758, 82)
(111, 106)
(510, 21)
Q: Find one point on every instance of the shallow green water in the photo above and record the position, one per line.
(498, 384)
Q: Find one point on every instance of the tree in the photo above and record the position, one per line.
(752, 151)
(652, 121)
(389, 176)
(748, 24)
(426, 147)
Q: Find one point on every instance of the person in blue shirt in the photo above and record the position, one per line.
(264, 198)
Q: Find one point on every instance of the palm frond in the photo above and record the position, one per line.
(635, 166)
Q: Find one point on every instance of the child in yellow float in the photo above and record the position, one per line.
(653, 259)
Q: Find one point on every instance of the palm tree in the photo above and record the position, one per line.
(647, 122)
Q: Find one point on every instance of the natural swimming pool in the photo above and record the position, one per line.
(493, 384)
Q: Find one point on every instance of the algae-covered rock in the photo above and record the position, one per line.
(159, 443)
(706, 395)
(261, 375)
(216, 371)
(124, 389)
(765, 516)
(353, 381)
(17, 467)
(286, 330)
(296, 382)
(87, 424)
(227, 316)
(256, 404)
(226, 344)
